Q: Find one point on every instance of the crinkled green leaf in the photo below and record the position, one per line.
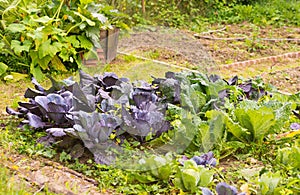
(14, 28)
(36, 72)
(257, 121)
(268, 182)
(44, 19)
(48, 48)
(44, 62)
(57, 64)
(237, 130)
(85, 19)
(85, 43)
(18, 46)
(3, 68)
(85, 1)
(93, 33)
(206, 176)
(73, 40)
(214, 132)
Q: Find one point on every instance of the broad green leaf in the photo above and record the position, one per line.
(2, 45)
(64, 54)
(268, 182)
(73, 40)
(44, 62)
(257, 121)
(85, 1)
(160, 166)
(34, 56)
(18, 76)
(143, 178)
(282, 113)
(48, 48)
(214, 88)
(30, 10)
(93, 33)
(14, 28)
(18, 46)
(295, 157)
(85, 43)
(205, 140)
(44, 19)
(250, 173)
(178, 182)
(190, 178)
(57, 64)
(52, 30)
(289, 156)
(38, 36)
(206, 176)
(238, 131)
(214, 133)
(190, 98)
(78, 61)
(85, 19)
(36, 72)
(3, 68)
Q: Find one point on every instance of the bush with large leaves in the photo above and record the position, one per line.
(51, 35)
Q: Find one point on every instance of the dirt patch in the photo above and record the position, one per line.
(45, 174)
(253, 45)
(177, 42)
(282, 79)
(205, 53)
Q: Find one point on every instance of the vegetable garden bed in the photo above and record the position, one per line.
(144, 129)
(250, 155)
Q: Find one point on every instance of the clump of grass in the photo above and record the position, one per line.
(8, 184)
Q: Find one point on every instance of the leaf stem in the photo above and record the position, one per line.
(74, 27)
(10, 51)
(56, 14)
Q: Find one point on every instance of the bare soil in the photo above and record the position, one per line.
(39, 174)
(179, 47)
(168, 43)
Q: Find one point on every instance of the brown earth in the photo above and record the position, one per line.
(175, 46)
(39, 174)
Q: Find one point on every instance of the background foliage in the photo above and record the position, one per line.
(193, 13)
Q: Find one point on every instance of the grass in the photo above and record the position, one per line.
(9, 185)
(132, 68)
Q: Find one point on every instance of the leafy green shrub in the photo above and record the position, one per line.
(190, 176)
(279, 12)
(193, 13)
(51, 35)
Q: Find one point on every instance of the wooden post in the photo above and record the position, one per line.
(144, 7)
